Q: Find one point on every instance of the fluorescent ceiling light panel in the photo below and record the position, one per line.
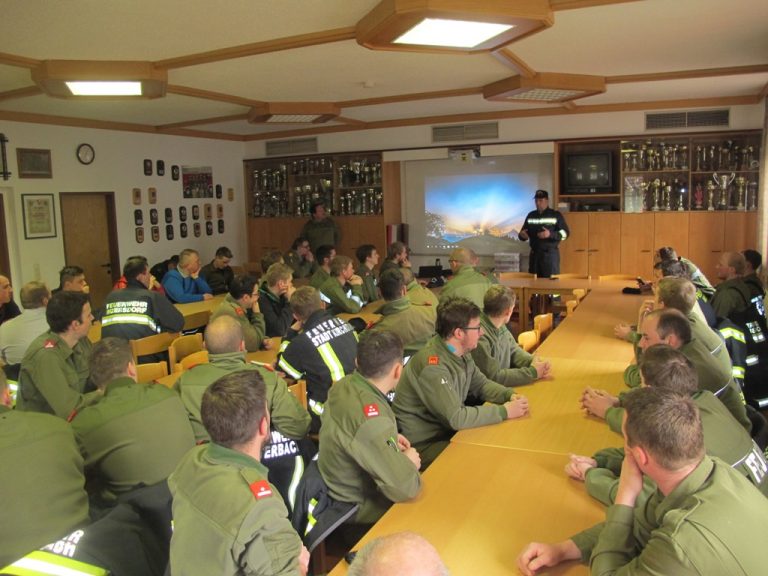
(547, 95)
(454, 33)
(105, 88)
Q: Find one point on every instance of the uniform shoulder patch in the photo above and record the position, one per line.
(261, 489)
(433, 360)
(371, 410)
(49, 344)
(239, 311)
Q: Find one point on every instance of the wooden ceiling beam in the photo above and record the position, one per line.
(509, 58)
(20, 93)
(409, 97)
(556, 5)
(210, 95)
(687, 74)
(20, 61)
(256, 48)
(202, 121)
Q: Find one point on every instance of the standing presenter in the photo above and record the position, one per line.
(545, 228)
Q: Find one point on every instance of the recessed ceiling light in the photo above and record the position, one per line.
(454, 33)
(105, 88)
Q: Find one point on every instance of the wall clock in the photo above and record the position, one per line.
(85, 153)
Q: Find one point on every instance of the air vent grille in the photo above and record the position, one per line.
(288, 147)
(695, 119)
(460, 132)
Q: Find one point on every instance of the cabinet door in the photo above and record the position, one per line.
(604, 243)
(740, 231)
(706, 241)
(573, 250)
(637, 244)
(671, 229)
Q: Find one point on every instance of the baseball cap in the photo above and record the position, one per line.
(541, 194)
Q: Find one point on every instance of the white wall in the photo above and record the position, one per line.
(118, 168)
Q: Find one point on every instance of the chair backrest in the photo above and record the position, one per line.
(94, 332)
(579, 293)
(543, 324)
(570, 306)
(528, 340)
(197, 319)
(154, 344)
(199, 357)
(151, 371)
(572, 276)
(511, 275)
(299, 389)
(617, 277)
(184, 346)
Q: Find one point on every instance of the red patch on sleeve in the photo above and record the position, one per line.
(433, 360)
(261, 489)
(371, 410)
(240, 311)
(49, 344)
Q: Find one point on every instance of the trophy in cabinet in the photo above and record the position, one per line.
(667, 196)
(700, 152)
(698, 197)
(656, 185)
(741, 184)
(682, 157)
(752, 193)
(723, 181)
(681, 190)
(710, 195)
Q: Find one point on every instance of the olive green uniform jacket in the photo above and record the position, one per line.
(342, 298)
(370, 283)
(288, 415)
(42, 482)
(730, 296)
(228, 519)
(709, 524)
(429, 401)
(500, 358)
(469, 284)
(319, 278)
(360, 460)
(136, 434)
(414, 324)
(252, 324)
(301, 268)
(53, 376)
(421, 296)
(321, 233)
(723, 437)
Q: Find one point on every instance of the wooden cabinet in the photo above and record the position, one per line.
(593, 246)
(671, 229)
(706, 241)
(637, 244)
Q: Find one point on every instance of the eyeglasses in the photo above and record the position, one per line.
(467, 328)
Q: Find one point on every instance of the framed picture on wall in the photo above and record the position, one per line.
(39, 213)
(34, 163)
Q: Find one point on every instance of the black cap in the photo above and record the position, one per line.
(541, 194)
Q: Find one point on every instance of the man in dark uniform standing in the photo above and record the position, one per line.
(545, 228)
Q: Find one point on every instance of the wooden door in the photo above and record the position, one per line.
(706, 241)
(671, 229)
(573, 250)
(5, 261)
(604, 243)
(740, 231)
(89, 229)
(637, 244)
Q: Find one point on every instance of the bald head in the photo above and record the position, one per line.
(223, 335)
(461, 256)
(401, 554)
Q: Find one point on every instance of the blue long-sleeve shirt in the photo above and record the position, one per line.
(184, 289)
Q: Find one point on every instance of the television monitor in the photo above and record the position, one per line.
(588, 172)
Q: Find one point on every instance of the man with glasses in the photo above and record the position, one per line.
(218, 272)
(430, 400)
(301, 258)
(242, 304)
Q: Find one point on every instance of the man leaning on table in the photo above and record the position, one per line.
(363, 459)
(430, 401)
(702, 519)
(184, 284)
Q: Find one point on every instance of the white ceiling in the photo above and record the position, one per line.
(607, 39)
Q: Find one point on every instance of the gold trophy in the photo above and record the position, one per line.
(723, 183)
(667, 197)
(740, 189)
(752, 193)
(710, 196)
(656, 184)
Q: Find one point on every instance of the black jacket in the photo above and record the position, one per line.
(135, 312)
(277, 312)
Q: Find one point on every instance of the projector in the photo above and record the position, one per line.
(464, 155)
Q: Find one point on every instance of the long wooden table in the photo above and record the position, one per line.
(496, 488)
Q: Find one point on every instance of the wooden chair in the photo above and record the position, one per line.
(299, 389)
(543, 324)
(151, 372)
(197, 319)
(155, 344)
(570, 306)
(511, 275)
(617, 277)
(94, 332)
(579, 293)
(528, 340)
(184, 346)
(572, 276)
(199, 357)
